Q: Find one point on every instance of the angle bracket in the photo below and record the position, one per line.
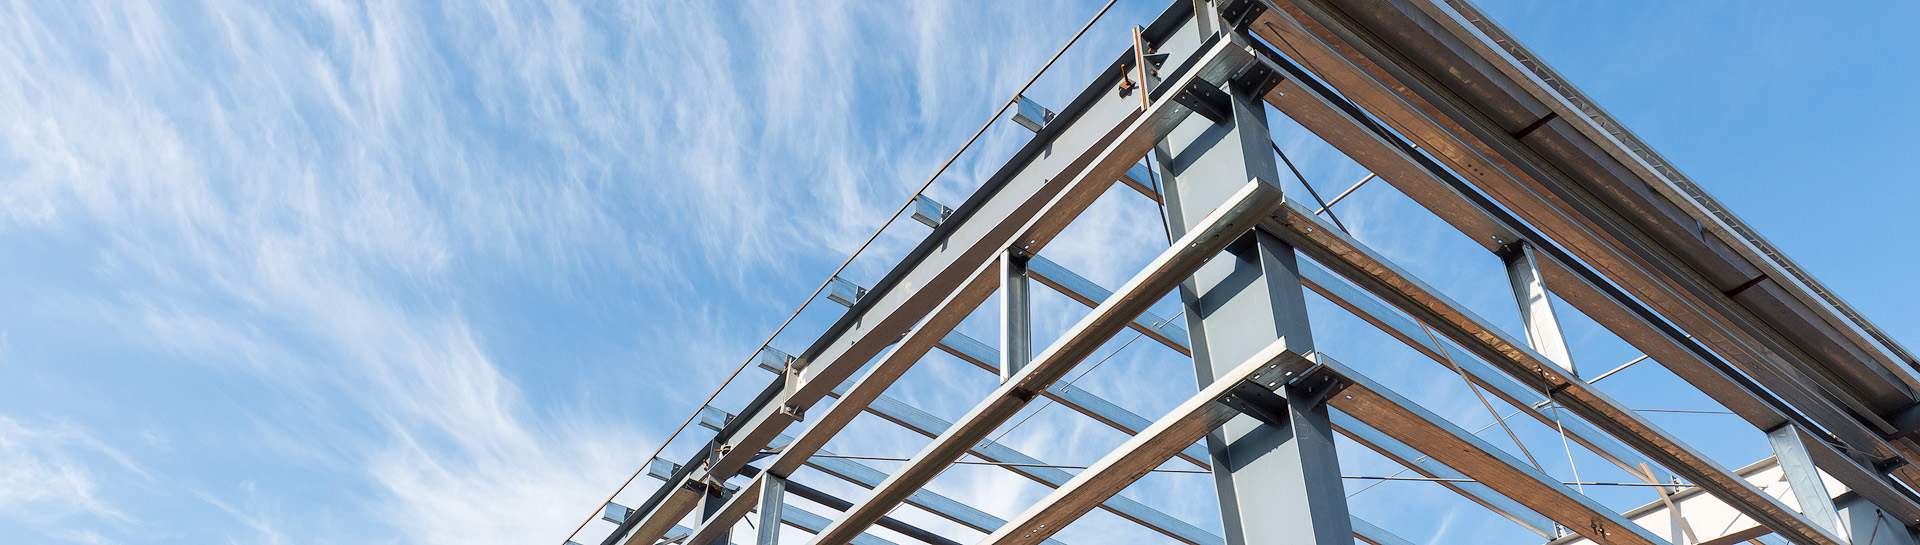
(1255, 400)
(1205, 99)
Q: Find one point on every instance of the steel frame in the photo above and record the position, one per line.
(1443, 105)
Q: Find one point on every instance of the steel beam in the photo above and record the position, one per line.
(1346, 128)
(719, 508)
(1412, 459)
(986, 357)
(926, 424)
(1168, 331)
(1356, 63)
(1187, 423)
(1410, 423)
(1394, 324)
(1082, 401)
(1713, 522)
(1387, 281)
(1248, 207)
(1027, 202)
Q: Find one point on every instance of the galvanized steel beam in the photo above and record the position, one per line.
(1187, 423)
(1346, 128)
(1394, 415)
(1248, 207)
(1385, 280)
(1355, 61)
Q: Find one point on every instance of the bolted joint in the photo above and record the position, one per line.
(1258, 80)
(1240, 14)
(1206, 100)
(1318, 385)
(1255, 400)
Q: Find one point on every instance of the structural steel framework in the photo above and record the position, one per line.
(1444, 106)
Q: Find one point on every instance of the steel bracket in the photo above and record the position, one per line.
(1255, 400)
(1257, 81)
(1239, 14)
(1207, 100)
(1317, 385)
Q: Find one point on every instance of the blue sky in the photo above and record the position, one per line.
(325, 272)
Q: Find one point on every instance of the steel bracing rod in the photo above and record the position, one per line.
(1484, 221)
(1387, 281)
(1412, 459)
(1027, 202)
(1395, 324)
(1394, 415)
(1246, 208)
(1705, 519)
(1187, 423)
(1344, 126)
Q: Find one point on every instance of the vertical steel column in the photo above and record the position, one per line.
(1536, 309)
(1803, 478)
(773, 492)
(1016, 315)
(1276, 483)
(710, 504)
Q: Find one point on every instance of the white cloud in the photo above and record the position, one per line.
(48, 471)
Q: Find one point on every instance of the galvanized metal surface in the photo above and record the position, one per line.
(1444, 106)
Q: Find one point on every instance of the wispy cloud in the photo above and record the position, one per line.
(48, 471)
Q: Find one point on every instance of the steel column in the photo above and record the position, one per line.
(1803, 478)
(714, 526)
(1272, 481)
(1016, 314)
(1536, 308)
(772, 495)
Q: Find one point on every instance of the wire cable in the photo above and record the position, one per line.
(1483, 397)
(1310, 191)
